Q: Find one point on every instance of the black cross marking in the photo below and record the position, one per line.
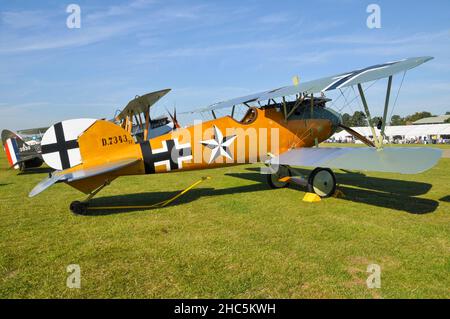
(171, 155)
(355, 73)
(61, 146)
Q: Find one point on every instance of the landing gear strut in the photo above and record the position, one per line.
(320, 181)
(275, 180)
(80, 208)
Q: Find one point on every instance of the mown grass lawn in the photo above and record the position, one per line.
(231, 237)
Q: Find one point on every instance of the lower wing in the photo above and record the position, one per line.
(405, 160)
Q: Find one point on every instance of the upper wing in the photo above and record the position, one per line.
(33, 131)
(368, 74)
(405, 160)
(141, 103)
(73, 174)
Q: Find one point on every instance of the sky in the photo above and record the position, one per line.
(209, 51)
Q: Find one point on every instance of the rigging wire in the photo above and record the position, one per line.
(359, 102)
(333, 102)
(356, 95)
(346, 101)
(398, 92)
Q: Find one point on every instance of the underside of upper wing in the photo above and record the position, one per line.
(405, 160)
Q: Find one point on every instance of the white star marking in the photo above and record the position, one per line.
(219, 145)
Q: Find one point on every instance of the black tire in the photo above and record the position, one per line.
(78, 208)
(322, 182)
(272, 179)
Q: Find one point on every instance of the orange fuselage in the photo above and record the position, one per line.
(219, 142)
(267, 133)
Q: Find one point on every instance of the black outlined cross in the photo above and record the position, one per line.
(61, 146)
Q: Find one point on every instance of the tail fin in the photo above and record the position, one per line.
(59, 145)
(17, 150)
(88, 152)
(69, 143)
(104, 140)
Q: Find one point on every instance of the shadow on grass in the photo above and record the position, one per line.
(407, 188)
(445, 199)
(36, 170)
(385, 193)
(376, 191)
(149, 198)
(4, 184)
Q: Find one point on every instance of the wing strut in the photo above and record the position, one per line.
(369, 118)
(362, 138)
(147, 123)
(378, 140)
(386, 106)
(284, 108)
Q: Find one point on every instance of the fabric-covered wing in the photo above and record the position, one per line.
(33, 131)
(368, 74)
(405, 160)
(141, 103)
(74, 174)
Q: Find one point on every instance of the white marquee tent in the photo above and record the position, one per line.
(401, 132)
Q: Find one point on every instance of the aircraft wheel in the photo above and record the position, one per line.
(78, 208)
(322, 182)
(273, 179)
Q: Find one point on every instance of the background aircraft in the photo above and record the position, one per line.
(23, 149)
(135, 117)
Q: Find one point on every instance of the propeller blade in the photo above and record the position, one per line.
(174, 117)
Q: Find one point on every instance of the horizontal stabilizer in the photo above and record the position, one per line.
(405, 160)
(74, 174)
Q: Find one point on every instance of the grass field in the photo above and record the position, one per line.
(231, 237)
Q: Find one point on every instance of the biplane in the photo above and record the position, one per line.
(135, 117)
(23, 150)
(281, 128)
